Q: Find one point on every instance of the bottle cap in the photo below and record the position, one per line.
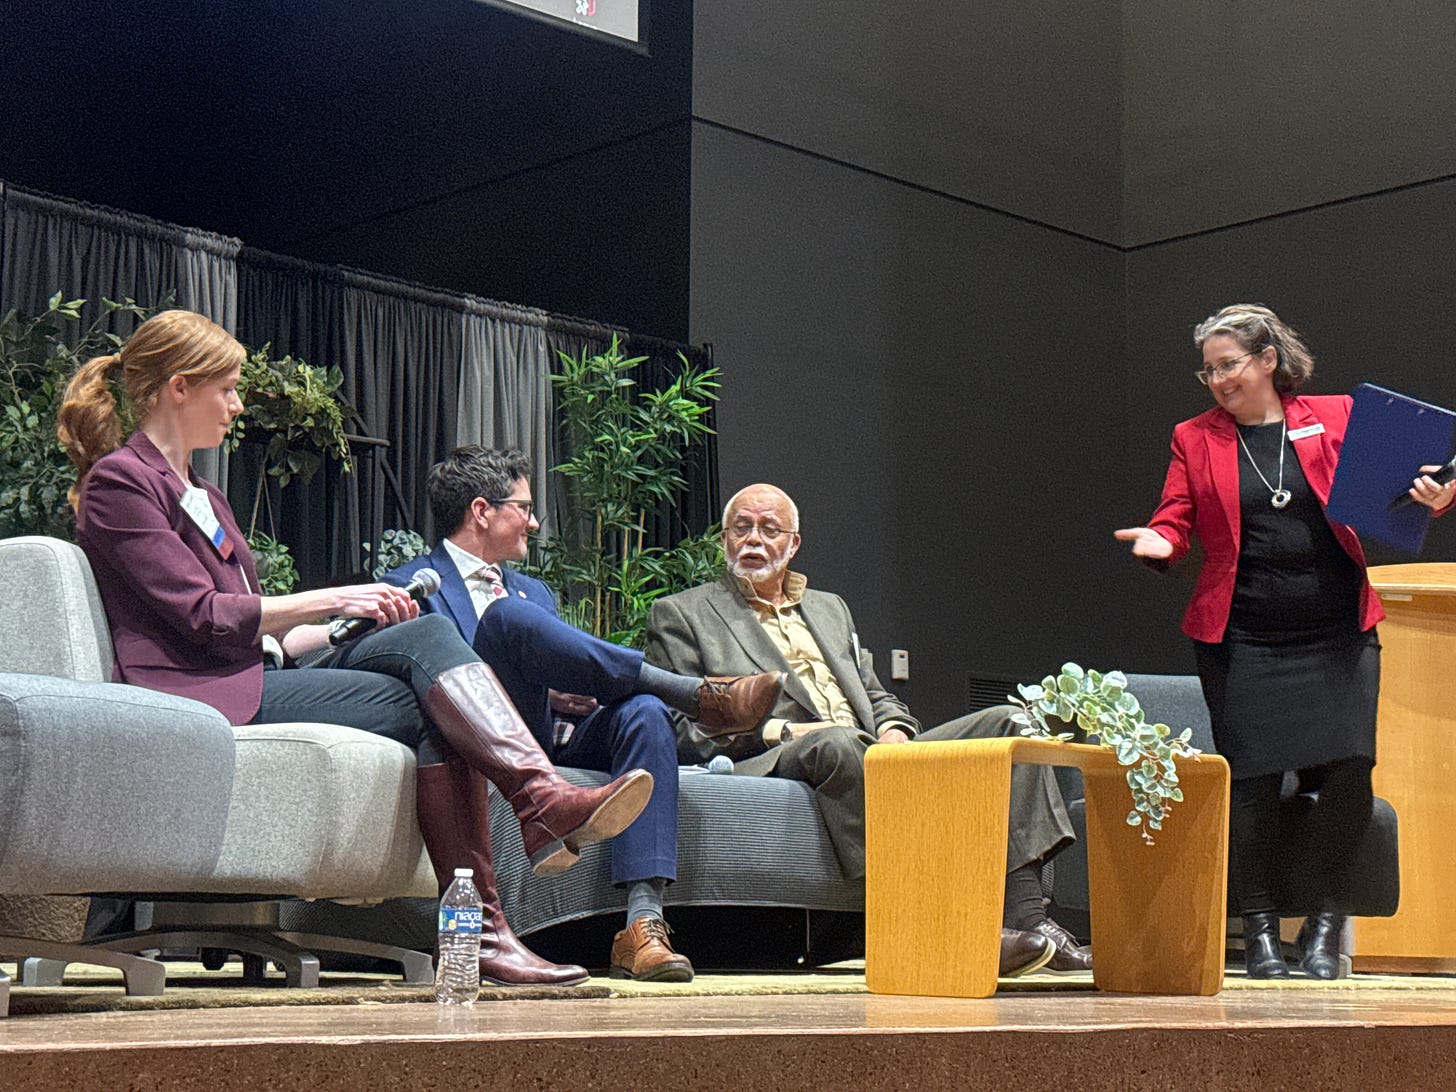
(470, 872)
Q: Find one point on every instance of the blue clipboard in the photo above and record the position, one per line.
(1389, 438)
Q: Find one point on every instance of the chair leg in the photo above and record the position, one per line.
(143, 977)
(4, 994)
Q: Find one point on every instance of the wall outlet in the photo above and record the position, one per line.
(899, 665)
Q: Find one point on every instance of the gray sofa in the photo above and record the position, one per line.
(106, 788)
(282, 841)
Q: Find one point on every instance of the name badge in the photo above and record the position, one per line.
(198, 506)
(1308, 430)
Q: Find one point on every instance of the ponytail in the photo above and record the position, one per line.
(167, 344)
(89, 425)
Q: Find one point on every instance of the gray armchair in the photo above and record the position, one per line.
(113, 789)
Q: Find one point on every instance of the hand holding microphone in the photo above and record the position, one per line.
(424, 584)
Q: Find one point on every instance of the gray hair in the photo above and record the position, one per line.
(733, 500)
(1256, 328)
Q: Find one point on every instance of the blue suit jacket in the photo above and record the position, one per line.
(453, 598)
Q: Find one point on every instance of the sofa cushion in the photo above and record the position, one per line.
(323, 811)
(742, 841)
(105, 787)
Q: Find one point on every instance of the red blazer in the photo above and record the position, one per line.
(182, 618)
(1201, 497)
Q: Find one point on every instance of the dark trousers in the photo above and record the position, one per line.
(1345, 805)
(375, 683)
(831, 760)
(533, 651)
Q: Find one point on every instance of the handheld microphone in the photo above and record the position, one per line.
(424, 584)
(1440, 477)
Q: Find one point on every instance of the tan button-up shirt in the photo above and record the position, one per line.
(792, 637)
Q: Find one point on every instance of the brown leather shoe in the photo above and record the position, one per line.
(1070, 956)
(642, 951)
(1023, 952)
(737, 703)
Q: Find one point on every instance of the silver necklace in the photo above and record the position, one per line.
(1280, 495)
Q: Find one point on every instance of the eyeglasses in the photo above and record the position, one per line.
(525, 506)
(1224, 368)
(769, 532)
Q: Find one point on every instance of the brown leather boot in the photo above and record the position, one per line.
(454, 815)
(731, 704)
(642, 951)
(470, 708)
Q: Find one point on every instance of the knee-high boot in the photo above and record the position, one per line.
(454, 816)
(469, 707)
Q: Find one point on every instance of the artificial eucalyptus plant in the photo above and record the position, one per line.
(1101, 706)
(627, 450)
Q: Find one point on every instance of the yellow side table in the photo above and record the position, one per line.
(936, 818)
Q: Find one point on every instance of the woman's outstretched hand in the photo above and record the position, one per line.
(1146, 543)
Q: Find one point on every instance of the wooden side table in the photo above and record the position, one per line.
(936, 826)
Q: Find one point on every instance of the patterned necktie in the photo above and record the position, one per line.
(486, 587)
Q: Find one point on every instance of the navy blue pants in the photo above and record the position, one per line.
(533, 651)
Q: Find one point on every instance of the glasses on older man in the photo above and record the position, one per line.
(769, 532)
(1224, 368)
(526, 507)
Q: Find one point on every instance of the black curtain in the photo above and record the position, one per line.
(425, 368)
(399, 348)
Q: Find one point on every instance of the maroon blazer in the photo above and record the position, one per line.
(1201, 497)
(182, 618)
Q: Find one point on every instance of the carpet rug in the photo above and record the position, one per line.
(189, 986)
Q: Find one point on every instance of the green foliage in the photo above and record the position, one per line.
(297, 407)
(627, 449)
(36, 362)
(1102, 708)
(277, 575)
(394, 548)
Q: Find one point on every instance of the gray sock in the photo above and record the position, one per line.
(679, 691)
(644, 898)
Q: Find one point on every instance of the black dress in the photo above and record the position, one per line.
(1294, 682)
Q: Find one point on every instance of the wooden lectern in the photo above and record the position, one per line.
(1416, 768)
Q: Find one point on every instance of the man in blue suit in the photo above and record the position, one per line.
(590, 703)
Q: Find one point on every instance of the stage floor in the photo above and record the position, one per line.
(1361, 1035)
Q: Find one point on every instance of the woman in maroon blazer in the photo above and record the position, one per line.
(1282, 616)
(186, 617)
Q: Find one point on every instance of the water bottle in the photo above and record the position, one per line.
(457, 969)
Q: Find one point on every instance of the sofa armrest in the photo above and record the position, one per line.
(107, 787)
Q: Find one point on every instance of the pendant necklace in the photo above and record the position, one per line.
(1280, 495)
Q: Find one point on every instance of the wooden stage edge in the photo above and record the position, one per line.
(1271, 1038)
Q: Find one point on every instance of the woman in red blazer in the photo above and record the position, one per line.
(1282, 615)
(186, 617)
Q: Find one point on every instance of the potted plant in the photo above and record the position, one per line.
(36, 362)
(293, 417)
(626, 453)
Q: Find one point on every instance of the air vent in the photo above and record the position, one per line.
(984, 691)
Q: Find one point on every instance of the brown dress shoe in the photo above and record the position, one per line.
(737, 703)
(1023, 952)
(642, 951)
(1070, 956)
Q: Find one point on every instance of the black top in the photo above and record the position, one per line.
(1294, 576)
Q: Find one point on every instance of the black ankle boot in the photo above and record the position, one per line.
(1319, 945)
(1263, 957)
